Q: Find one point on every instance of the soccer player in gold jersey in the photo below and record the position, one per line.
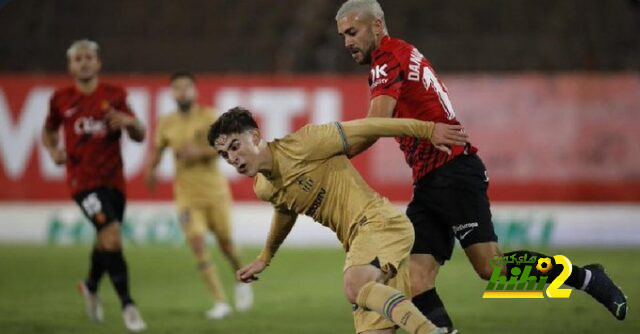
(202, 194)
(309, 172)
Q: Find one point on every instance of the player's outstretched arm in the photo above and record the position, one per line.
(359, 132)
(380, 106)
(281, 224)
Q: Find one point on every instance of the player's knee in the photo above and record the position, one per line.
(355, 278)
(197, 244)
(351, 290)
(109, 238)
(423, 275)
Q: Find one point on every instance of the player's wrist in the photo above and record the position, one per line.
(264, 258)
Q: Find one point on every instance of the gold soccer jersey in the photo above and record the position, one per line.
(198, 183)
(312, 175)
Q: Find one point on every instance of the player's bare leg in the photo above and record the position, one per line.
(480, 256)
(363, 287)
(230, 253)
(424, 269)
(209, 273)
(243, 291)
(590, 278)
(110, 243)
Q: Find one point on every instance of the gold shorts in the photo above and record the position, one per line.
(390, 243)
(215, 217)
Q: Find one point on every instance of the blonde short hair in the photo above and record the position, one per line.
(82, 44)
(369, 7)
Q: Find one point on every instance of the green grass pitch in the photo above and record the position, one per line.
(301, 292)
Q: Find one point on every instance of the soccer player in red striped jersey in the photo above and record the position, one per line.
(93, 116)
(450, 186)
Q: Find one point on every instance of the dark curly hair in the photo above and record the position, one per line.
(236, 120)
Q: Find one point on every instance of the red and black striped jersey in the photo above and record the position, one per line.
(93, 150)
(399, 70)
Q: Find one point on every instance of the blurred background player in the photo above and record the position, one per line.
(93, 116)
(450, 190)
(202, 193)
(308, 172)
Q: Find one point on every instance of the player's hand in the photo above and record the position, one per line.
(58, 155)
(119, 120)
(248, 273)
(446, 135)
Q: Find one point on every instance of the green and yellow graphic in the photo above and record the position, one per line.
(520, 284)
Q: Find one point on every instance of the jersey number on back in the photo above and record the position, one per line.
(429, 79)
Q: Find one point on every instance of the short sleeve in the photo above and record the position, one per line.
(386, 76)
(54, 119)
(313, 142)
(120, 102)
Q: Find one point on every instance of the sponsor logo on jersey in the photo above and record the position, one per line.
(89, 126)
(379, 75)
(316, 203)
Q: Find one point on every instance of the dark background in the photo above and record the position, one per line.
(286, 36)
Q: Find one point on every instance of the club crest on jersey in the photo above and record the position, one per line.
(305, 183)
(379, 75)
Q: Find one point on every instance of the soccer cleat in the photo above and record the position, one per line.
(602, 288)
(219, 311)
(132, 319)
(244, 297)
(92, 303)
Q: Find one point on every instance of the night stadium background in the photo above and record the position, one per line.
(548, 90)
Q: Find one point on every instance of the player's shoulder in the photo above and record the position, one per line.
(392, 48)
(63, 92)
(110, 88)
(208, 113)
(168, 117)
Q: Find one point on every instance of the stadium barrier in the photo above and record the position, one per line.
(156, 223)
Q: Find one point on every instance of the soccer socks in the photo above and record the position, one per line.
(579, 276)
(393, 305)
(210, 276)
(117, 269)
(96, 269)
(430, 304)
